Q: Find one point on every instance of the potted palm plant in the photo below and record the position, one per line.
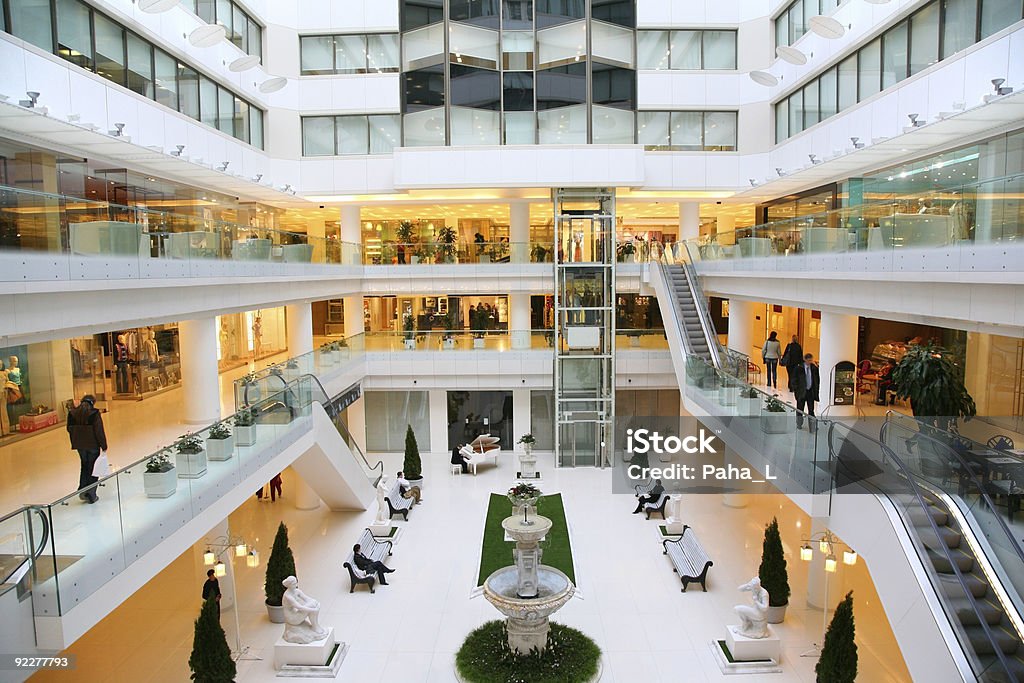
(220, 442)
(245, 426)
(191, 457)
(404, 236)
(409, 326)
(446, 244)
(160, 480)
(280, 566)
(774, 417)
(773, 574)
(929, 376)
(412, 466)
(748, 403)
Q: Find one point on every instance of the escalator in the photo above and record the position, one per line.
(24, 536)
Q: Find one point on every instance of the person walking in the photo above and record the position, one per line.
(85, 430)
(211, 589)
(808, 384)
(770, 354)
(792, 358)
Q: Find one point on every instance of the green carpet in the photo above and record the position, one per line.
(497, 552)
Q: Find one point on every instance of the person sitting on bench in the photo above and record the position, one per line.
(459, 459)
(651, 497)
(408, 490)
(368, 565)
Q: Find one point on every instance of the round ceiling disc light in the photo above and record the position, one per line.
(273, 84)
(791, 55)
(244, 63)
(156, 6)
(826, 27)
(207, 36)
(763, 78)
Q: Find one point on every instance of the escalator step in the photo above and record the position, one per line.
(920, 517)
(964, 562)
(992, 613)
(952, 588)
(1007, 641)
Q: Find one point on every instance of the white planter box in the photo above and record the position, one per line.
(728, 396)
(776, 423)
(634, 340)
(329, 358)
(748, 407)
(478, 342)
(410, 344)
(160, 484)
(190, 465)
(245, 436)
(449, 343)
(220, 449)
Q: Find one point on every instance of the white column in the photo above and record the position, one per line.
(689, 220)
(838, 343)
(353, 310)
(438, 400)
(199, 377)
(519, 319)
(741, 316)
(299, 320)
(305, 496)
(521, 417)
(519, 231)
(351, 234)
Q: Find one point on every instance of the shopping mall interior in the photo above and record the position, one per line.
(281, 279)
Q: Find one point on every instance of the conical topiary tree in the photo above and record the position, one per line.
(210, 661)
(412, 467)
(838, 661)
(772, 572)
(280, 566)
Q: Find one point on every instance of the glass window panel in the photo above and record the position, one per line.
(317, 55)
(208, 101)
(542, 419)
(424, 88)
(223, 10)
(239, 28)
(385, 133)
(847, 83)
(518, 91)
(205, 10)
(517, 49)
(255, 39)
(30, 21)
(188, 84)
(561, 45)
(810, 9)
(811, 115)
(256, 132)
(828, 83)
(781, 121)
(719, 49)
(480, 12)
(520, 128)
(140, 66)
(894, 55)
(924, 38)
(652, 128)
(110, 60)
(782, 29)
(998, 14)
(477, 88)
(517, 13)
(417, 13)
(423, 47)
(796, 112)
(74, 33)
(562, 126)
(166, 79)
(382, 52)
(685, 49)
(613, 86)
(621, 12)
(424, 128)
(352, 135)
(612, 44)
(687, 130)
(796, 21)
(652, 50)
(562, 86)
(551, 12)
(472, 46)
(613, 126)
(475, 126)
(396, 410)
(869, 69)
(225, 111)
(349, 54)
(318, 136)
(959, 25)
(720, 131)
(241, 120)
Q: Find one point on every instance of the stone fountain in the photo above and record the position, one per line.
(529, 592)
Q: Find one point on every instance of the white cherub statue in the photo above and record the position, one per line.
(753, 618)
(301, 615)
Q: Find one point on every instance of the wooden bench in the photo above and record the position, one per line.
(396, 503)
(688, 558)
(657, 506)
(374, 550)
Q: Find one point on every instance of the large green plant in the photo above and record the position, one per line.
(412, 467)
(280, 566)
(404, 232)
(930, 378)
(838, 661)
(772, 572)
(210, 660)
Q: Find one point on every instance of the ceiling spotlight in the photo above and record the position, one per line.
(223, 167)
(814, 158)
(857, 144)
(33, 97)
(178, 149)
(118, 130)
(780, 172)
(997, 84)
(913, 120)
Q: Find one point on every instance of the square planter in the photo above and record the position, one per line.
(160, 484)
(727, 396)
(409, 344)
(748, 407)
(634, 340)
(190, 465)
(329, 358)
(478, 342)
(449, 343)
(220, 449)
(245, 436)
(776, 423)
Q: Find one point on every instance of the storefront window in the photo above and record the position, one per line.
(390, 412)
(473, 413)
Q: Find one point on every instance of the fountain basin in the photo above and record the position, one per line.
(531, 533)
(527, 618)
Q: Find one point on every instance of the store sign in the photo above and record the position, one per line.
(844, 383)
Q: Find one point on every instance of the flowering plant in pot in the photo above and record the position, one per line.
(527, 440)
(527, 461)
(524, 498)
(220, 442)
(245, 425)
(191, 456)
(774, 417)
(160, 480)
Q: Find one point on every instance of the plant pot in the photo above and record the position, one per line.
(275, 612)
(634, 340)
(220, 449)
(728, 396)
(776, 614)
(245, 435)
(190, 465)
(478, 342)
(776, 423)
(409, 344)
(414, 260)
(160, 484)
(449, 342)
(416, 482)
(748, 407)
(329, 358)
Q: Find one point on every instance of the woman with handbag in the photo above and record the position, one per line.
(770, 354)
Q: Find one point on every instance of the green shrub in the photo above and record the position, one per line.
(772, 572)
(210, 660)
(485, 657)
(412, 466)
(280, 566)
(838, 661)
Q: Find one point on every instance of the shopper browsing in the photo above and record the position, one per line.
(770, 354)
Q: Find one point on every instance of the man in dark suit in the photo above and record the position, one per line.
(368, 565)
(807, 386)
(651, 497)
(792, 358)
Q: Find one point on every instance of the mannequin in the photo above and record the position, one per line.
(5, 420)
(257, 337)
(150, 351)
(13, 371)
(121, 357)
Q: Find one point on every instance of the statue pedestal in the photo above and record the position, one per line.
(674, 523)
(312, 660)
(380, 530)
(744, 649)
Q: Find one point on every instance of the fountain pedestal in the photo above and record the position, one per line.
(527, 554)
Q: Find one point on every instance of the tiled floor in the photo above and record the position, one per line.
(410, 630)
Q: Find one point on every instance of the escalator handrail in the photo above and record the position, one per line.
(34, 553)
(910, 477)
(347, 435)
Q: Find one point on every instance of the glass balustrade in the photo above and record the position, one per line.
(395, 253)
